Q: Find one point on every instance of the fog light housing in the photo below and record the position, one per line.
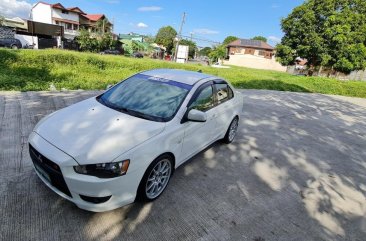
(95, 200)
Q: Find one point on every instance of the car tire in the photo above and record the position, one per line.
(231, 131)
(14, 47)
(155, 179)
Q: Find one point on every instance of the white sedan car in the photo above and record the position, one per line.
(107, 151)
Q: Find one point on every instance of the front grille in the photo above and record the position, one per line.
(51, 169)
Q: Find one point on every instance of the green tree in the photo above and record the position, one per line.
(149, 39)
(328, 33)
(102, 25)
(229, 39)
(105, 41)
(261, 38)
(205, 51)
(218, 52)
(86, 42)
(95, 42)
(165, 37)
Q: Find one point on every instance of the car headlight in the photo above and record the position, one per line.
(104, 170)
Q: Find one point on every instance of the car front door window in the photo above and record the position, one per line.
(204, 101)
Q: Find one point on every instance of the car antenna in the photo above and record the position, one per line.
(199, 71)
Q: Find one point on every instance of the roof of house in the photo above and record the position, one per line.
(76, 9)
(250, 43)
(130, 36)
(60, 6)
(93, 17)
(182, 76)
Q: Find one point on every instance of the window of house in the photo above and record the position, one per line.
(238, 50)
(65, 12)
(262, 53)
(204, 101)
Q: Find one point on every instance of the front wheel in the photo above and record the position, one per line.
(14, 47)
(156, 179)
(231, 131)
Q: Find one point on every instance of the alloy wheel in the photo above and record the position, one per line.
(158, 178)
(233, 129)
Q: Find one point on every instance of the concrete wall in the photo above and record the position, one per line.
(42, 13)
(255, 62)
(26, 39)
(354, 75)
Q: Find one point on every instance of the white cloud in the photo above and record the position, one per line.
(274, 39)
(142, 25)
(205, 31)
(149, 9)
(275, 6)
(15, 8)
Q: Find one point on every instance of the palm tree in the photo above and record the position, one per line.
(102, 25)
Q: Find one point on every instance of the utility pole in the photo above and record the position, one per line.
(179, 36)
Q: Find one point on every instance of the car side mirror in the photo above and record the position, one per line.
(197, 116)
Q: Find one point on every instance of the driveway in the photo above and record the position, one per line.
(296, 171)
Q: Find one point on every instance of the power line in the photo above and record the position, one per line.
(200, 39)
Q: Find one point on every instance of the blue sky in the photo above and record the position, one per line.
(213, 20)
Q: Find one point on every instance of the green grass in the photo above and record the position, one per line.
(36, 69)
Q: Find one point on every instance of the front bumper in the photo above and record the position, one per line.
(120, 190)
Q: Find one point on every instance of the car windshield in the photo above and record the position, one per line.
(146, 97)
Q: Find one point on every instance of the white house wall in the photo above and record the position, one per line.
(57, 13)
(42, 13)
(255, 62)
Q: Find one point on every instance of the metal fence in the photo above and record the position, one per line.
(6, 32)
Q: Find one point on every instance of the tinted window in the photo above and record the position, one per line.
(146, 97)
(223, 93)
(204, 100)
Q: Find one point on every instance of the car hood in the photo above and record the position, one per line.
(93, 133)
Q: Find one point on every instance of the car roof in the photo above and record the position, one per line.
(182, 76)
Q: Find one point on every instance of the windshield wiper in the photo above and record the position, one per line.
(134, 113)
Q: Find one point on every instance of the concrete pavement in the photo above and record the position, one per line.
(296, 171)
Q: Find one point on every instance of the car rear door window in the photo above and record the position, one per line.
(223, 93)
(204, 100)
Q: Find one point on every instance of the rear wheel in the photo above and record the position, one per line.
(231, 131)
(156, 178)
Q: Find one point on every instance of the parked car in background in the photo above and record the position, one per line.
(137, 55)
(112, 51)
(10, 43)
(123, 145)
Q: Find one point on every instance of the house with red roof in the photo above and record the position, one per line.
(71, 18)
(90, 22)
